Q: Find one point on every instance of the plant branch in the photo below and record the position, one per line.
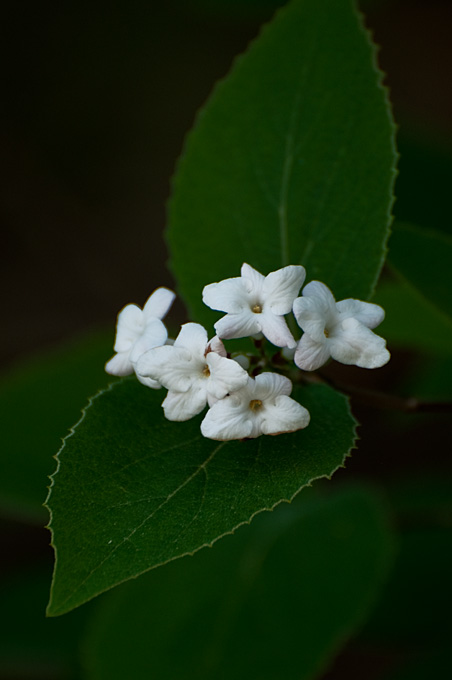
(382, 399)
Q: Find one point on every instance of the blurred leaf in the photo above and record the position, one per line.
(432, 379)
(290, 162)
(422, 501)
(424, 257)
(415, 607)
(32, 646)
(425, 667)
(414, 610)
(134, 490)
(276, 601)
(423, 183)
(40, 399)
(411, 320)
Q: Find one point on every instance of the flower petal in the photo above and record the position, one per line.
(284, 415)
(217, 346)
(276, 330)
(356, 344)
(239, 325)
(149, 382)
(311, 354)
(158, 304)
(281, 288)
(128, 328)
(184, 405)
(313, 314)
(226, 376)
(367, 313)
(154, 335)
(253, 281)
(192, 337)
(119, 365)
(228, 419)
(321, 291)
(172, 366)
(229, 295)
(268, 386)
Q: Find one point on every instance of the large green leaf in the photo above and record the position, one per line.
(276, 601)
(134, 490)
(411, 320)
(40, 399)
(424, 257)
(290, 162)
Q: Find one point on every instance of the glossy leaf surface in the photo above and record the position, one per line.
(275, 601)
(134, 490)
(290, 162)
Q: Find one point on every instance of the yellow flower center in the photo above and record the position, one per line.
(326, 333)
(257, 309)
(206, 371)
(255, 404)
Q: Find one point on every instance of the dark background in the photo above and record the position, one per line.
(96, 101)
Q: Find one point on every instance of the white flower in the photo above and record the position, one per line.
(263, 406)
(340, 330)
(138, 331)
(255, 303)
(195, 372)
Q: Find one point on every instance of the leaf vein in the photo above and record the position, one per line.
(127, 538)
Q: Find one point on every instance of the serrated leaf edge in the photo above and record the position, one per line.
(50, 611)
(374, 49)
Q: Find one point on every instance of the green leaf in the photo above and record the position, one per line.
(422, 501)
(134, 490)
(411, 320)
(32, 646)
(423, 183)
(39, 401)
(415, 605)
(432, 379)
(416, 296)
(423, 257)
(290, 162)
(276, 601)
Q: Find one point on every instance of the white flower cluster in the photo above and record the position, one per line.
(197, 372)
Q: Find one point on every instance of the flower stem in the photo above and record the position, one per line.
(382, 399)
